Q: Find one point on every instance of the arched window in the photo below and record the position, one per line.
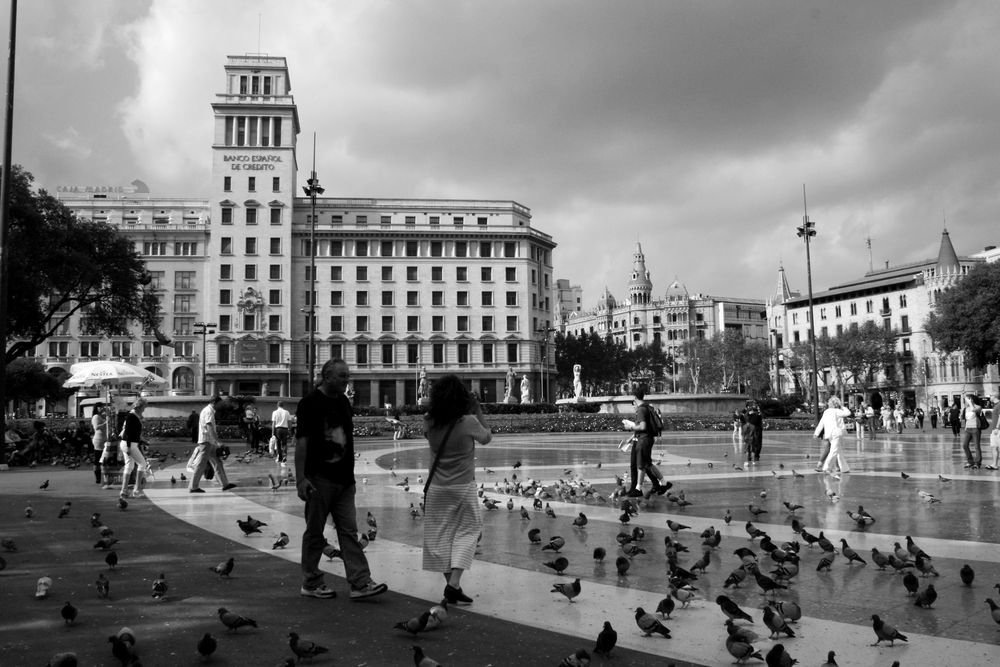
(183, 379)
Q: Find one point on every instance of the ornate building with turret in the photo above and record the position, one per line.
(899, 299)
(643, 317)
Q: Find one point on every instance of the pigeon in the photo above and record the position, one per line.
(569, 590)
(904, 475)
(741, 650)
(414, 625)
(28, 512)
(702, 562)
(665, 606)
(525, 514)
(517, 464)
(206, 645)
(925, 598)
(831, 660)
(490, 504)
(111, 559)
(779, 657)
(106, 531)
(994, 610)
(926, 569)
(64, 510)
(648, 624)
(66, 659)
(606, 640)
(622, 564)
(103, 586)
(966, 574)
(420, 659)
(731, 609)
(281, 542)
(247, 527)
(95, 520)
(44, 485)
(160, 587)
(234, 621)
(122, 504)
(885, 632)
(303, 648)
(899, 565)
(105, 543)
(727, 518)
(879, 558)
(632, 550)
(8, 544)
(549, 512)
(824, 543)
(776, 623)
(676, 527)
(534, 536)
(825, 563)
(559, 564)
(599, 554)
(683, 594)
(850, 553)
(69, 613)
(863, 520)
(755, 510)
(914, 550)
(555, 544)
(791, 507)
(581, 520)
(638, 534)
(579, 658)
(331, 551)
(123, 646)
(225, 568)
(766, 583)
(910, 583)
(735, 577)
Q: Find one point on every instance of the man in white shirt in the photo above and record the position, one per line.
(206, 451)
(280, 421)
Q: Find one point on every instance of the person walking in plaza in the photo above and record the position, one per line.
(281, 419)
(994, 431)
(192, 426)
(131, 437)
(898, 418)
(99, 440)
(919, 416)
(324, 470)
(934, 416)
(971, 432)
(753, 433)
(641, 456)
(453, 519)
(870, 421)
(831, 427)
(206, 453)
(955, 418)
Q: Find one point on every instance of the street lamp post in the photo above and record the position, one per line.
(777, 363)
(545, 360)
(807, 231)
(203, 329)
(312, 189)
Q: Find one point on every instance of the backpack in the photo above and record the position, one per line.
(655, 425)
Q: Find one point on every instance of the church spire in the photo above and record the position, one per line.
(783, 293)
(640, 287)
(947, 259)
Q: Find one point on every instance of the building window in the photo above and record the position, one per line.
(336, 219)
(225, 272)
(337, 298)
(487, 323)
(462, 274)
(362, 219)
(336, 248)
(362, 273)
(869, 306)
(250, 272)
(186, 248)
(485, 249)
(902, 301)
(435, 220)
(184, 280)
(462, 298)
(411, 248)
(904, 324)
(361, 322)
(251, 245)
(225, 297)
(387, 354)
(183, 326)
(437, 274)
(154, 248)
(361, 248)
(361, 350)
(511, 353)
(336, 323)
(836, 311)
(276, 184)
(275, 215)
(386, 273)
(274, 297)
(385, 248)
(387, 297)
(463, 323)
(511, 298)
(461, 249)
(274, 272)
(481, 221)
(222, 351)
(412, 323)
(388, 324)
(336, 351)
(411, 220)
(412, 354)
(227, 215)
(512, 323)
(854, 308)
(251, 215)
(510, 249)
(385, 220)
(437, 298)
(463, 353)
(225, 322)
(251, 184)
(510, 274)
(487, 353)
(227, 183)
(486, 274)
(437, 323)
(226, 245)
(437, 353)
(362, 298)
(412, 298)
(437, 249)
(411, 274)
(337, 273)
(90, 349)
(274, 353)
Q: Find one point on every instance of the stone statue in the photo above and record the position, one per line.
(577, 383)
(525, 390)
(508, 394)
(423, 395)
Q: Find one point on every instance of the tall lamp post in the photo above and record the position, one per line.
(545, 360)
(807, 231)
(777, 363)
(312, 190)
(203, 329)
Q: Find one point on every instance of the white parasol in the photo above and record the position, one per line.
(94, 373)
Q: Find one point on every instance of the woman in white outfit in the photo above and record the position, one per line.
(831, 427)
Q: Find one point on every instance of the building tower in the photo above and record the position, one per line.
(640, 288)
(251, 199)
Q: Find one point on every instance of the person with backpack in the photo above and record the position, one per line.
(647, 426)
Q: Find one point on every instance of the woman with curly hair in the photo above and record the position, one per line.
(452, 516)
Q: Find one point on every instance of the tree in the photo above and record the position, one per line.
(864, 352)
(699, 358)
(27, 380)
(754, 367)
(86, 267)
(966, 317)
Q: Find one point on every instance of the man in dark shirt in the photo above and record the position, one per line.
(641, 462)
(324, 470)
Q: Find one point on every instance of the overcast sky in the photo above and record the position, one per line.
(690, 127)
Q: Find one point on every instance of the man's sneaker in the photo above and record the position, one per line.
(370, 589)
(229, 486)
(138, 494)
(634, 493)
(663, 488)
(322, 591)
